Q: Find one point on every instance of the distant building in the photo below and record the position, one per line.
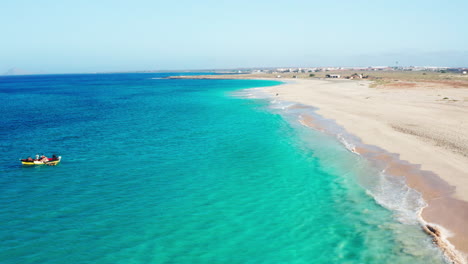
(355, 76)
(333, 76)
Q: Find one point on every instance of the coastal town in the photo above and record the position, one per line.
(344, 72)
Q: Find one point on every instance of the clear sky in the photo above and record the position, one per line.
(111, 35)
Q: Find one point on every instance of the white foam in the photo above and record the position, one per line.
(251, 93)
(348, 145)
(392, 193)
(275, 104)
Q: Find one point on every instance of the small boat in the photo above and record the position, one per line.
(51, 161)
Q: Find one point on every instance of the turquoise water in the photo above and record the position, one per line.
(182, 171)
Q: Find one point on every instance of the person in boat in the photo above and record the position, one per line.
(44, 159)
(37, 157)
(54, 157)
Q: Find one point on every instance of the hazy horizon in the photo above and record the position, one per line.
(107, 36)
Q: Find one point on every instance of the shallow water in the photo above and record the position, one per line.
(182, 171)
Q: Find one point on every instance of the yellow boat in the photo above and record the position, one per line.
(51, 162)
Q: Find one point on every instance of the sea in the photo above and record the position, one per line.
(158, 170)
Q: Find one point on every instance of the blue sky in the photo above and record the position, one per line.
(89, 36)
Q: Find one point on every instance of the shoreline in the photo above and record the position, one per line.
(392, 166)
(405, 154)
(417, 132)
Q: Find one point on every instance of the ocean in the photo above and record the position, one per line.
(161, 170)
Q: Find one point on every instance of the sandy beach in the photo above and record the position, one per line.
(424, 127)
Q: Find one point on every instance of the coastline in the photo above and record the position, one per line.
(428, 185)
(417, 133)
(410, 123)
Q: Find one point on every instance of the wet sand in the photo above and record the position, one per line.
(415, 132)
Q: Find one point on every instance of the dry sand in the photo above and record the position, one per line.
(425, 125)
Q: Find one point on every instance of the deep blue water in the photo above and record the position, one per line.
(181, 171)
